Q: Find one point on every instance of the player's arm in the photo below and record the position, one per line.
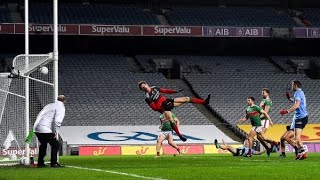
(295, 106)
(58, 118)
(169, 91)
(288, 97)
(297, 99)
(292, 108)
(245, 118)
(160, 127)
(266, 109)
(267, 115)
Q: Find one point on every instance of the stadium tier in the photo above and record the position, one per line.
(311, 15)
(5, 15)
(103, 92)
(230, 16)
(231, 79)
(76, 13)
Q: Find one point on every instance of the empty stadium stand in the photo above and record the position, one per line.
(76, 13)
(230, 16)
(103, 92)
(5, 15)
(234, 86)
(231, 79)
(312, 15)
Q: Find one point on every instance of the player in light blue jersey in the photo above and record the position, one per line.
(300, 118)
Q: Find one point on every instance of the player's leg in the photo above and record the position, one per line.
(250, 140)
(229, 148)
(299, 125)
(291, 140)
(42, 137)
(225, 147)
(161, 138)
(258, 152)
(168, 116)
(264, 144)
(55, 145)
(283, 139)
(181, 100)
(172, 144)
(263, 137)
(265, 124)
(299, 144)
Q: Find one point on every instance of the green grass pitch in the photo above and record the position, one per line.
(169, 167)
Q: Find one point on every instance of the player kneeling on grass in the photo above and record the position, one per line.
(166, 133)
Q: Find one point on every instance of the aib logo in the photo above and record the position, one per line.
(136, 136)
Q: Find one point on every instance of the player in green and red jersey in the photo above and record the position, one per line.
(253, 113)
(266, 105)
(166, 133)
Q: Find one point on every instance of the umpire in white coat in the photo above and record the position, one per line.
(47, 128)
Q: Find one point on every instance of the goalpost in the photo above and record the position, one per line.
(19, 99)
(24, 94)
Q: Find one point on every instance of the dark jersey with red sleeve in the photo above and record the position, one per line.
(155, 99)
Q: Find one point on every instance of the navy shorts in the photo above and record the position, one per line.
(301, 123)
(288, 128)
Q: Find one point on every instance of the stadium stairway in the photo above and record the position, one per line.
(187, 91)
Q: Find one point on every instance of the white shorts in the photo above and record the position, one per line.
(257, 129)
(265, 123)
(166, 134)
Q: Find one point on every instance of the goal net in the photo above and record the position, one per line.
(23, 93)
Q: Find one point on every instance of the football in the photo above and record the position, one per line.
(23, 161)
(44, 70)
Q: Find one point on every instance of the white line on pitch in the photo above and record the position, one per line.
(115, 172)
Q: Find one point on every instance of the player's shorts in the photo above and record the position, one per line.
(289, 128)
(257, 129)
(166, 134)
(239, 152)
(301, 123)
(168, 105)
(265, 123)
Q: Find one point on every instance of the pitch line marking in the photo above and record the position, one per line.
(114, 172)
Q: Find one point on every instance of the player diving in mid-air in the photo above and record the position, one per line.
(163, 105)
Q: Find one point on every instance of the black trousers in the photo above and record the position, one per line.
(44, 139)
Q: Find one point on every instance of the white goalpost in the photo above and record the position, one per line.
(19, 99)
(23, 93)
